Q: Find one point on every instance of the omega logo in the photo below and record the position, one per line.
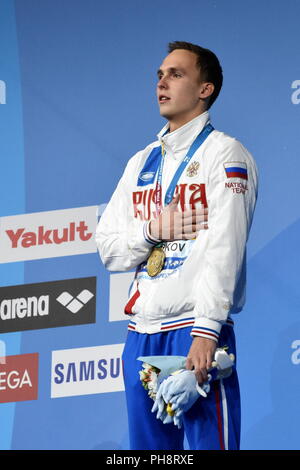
(14, 379)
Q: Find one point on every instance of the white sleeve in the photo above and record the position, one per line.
(122, 239)
(231, 204)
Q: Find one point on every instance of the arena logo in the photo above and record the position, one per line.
(48, 234)
(24, 307)
(48, 304)
(295, 98)
(86, 371)
(74, 304)
(2, 92)
(19, 378)
(295, 357)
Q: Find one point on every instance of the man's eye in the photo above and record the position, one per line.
(177, 75)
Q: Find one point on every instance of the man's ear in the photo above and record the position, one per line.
(206, 90)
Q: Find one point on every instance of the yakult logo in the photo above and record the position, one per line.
(295, 98)
(19, 378)
(48, 234)
(48, 237)
(2, 92)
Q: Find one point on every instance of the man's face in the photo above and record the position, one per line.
(179, 87)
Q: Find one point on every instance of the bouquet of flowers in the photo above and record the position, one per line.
(148, 376)
(175, 389)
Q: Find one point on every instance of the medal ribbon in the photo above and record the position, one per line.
(170, 191)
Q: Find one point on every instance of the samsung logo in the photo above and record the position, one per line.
(85, 371)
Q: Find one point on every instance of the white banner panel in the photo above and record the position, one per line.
(86, 371)
(48, 234)
(119, 285)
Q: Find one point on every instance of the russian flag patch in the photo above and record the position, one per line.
(236, 170)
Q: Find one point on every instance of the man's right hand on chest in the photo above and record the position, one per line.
(175, 225)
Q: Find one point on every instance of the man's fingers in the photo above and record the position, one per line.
(201, 374)
(174, 203)
(190, 223)
(189, 363)
(175, 225)
(193, 233)
(199, 369)
(192, 217)
(203, 213)
(200, 355)
(209, 360)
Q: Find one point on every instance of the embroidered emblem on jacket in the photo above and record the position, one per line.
(192, 170)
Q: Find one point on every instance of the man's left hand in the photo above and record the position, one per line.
(200, 357)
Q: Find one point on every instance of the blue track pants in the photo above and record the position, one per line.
(211, 423)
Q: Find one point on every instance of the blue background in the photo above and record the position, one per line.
(80, 77)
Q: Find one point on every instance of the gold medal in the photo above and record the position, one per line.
(155, 261)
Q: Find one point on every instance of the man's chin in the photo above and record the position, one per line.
(165, 114)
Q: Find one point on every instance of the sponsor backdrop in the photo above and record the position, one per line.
(77, 99)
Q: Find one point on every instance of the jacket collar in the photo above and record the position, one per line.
(181, 139)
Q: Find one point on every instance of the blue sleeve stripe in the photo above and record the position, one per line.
(206, 329)
(236, 169)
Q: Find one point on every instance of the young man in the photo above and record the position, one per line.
(190, 275)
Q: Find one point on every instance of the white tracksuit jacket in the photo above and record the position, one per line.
(203, 280)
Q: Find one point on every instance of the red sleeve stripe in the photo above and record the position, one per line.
(204, 333)
(236, 174)
(131, 302)
(176, 325)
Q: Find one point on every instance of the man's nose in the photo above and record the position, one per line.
(162, 83)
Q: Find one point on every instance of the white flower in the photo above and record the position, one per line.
(148, 377)
(152, 384)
